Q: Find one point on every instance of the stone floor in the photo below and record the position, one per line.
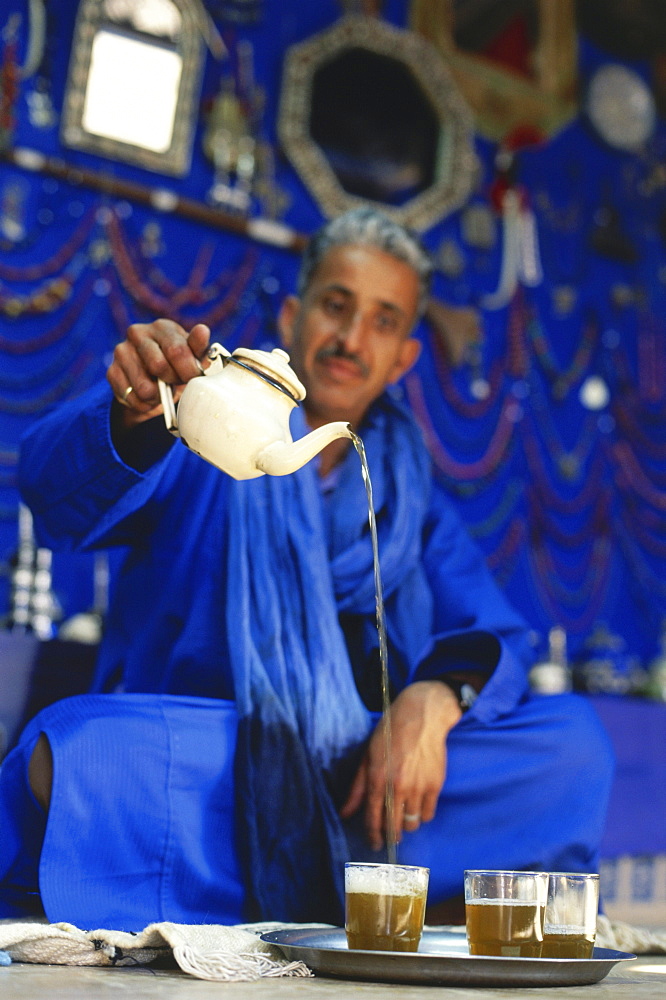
(644, 979)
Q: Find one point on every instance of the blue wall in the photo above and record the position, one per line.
(567, 502)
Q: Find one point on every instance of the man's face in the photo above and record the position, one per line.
(349, 336)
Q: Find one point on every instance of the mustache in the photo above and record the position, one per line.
(339, 351)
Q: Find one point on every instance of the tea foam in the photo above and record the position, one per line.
(501, 901)
(390, 880)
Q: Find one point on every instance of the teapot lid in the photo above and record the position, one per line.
(276, 365)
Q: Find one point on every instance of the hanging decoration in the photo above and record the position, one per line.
(459, 329)
(620, 107)
(37, 66)
(609, 239)
(479, 229)
(233, 140)
(13, 197)
(229, 144)
(520, 261)
(449, 259)
(33, 604)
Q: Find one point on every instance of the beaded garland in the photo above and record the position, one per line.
(614, 465)
(562, 380)
(504, 508)
(504, 557)
(79, 376)
(445, 463)
(58, 260)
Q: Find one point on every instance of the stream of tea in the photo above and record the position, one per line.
(391, 846)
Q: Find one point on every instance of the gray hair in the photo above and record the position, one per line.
(368, 227)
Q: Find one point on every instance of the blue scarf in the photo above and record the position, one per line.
(292, 567)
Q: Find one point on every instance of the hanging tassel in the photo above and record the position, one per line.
(509, 271)
(36, 40)
(529, 258)
(521, 260)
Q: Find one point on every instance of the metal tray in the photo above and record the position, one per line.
(442, 960)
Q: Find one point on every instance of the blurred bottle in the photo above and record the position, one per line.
(551, 674)
(606, 666)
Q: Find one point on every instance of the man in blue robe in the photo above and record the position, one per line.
(231, 756)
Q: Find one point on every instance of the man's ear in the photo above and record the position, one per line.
(410, 349)
(287, 319)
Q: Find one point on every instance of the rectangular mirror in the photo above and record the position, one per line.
(133, 85)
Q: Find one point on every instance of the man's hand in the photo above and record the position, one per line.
(421, 717)
(162, 349)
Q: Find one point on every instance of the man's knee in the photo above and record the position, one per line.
(40, 772)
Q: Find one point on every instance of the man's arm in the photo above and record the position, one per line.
(152, 351)
(93, 461)
(421, 718)
(478, 640)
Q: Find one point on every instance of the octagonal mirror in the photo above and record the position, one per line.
(369, 112)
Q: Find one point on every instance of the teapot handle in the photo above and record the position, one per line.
(214, 352)
(169, 407)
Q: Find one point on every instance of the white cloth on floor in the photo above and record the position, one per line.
(207, 951)
(626, 937)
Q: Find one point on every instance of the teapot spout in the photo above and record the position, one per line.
(282, 457)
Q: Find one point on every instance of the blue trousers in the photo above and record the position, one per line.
(141, 822)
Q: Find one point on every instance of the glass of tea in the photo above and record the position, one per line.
(384, 905)
(504, 912)
(571, 915)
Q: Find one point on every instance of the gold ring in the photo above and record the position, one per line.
(125, 396)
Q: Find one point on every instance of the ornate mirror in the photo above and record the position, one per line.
(501, 98)
(369, 112)
(133, 84)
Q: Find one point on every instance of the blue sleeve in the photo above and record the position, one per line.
(80, 492)
(474, 626)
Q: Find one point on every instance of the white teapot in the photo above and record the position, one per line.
(236, 414)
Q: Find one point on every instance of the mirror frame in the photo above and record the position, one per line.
(176, 160)
(458, 162)
(500, 99)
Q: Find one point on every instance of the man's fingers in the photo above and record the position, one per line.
(199, 341)
(126, 371)
(182, 353)
(151, 351)
(374, 822)
(375, 809)
(356, 793)
(411, 816)
(429, 806)
(164, 349)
